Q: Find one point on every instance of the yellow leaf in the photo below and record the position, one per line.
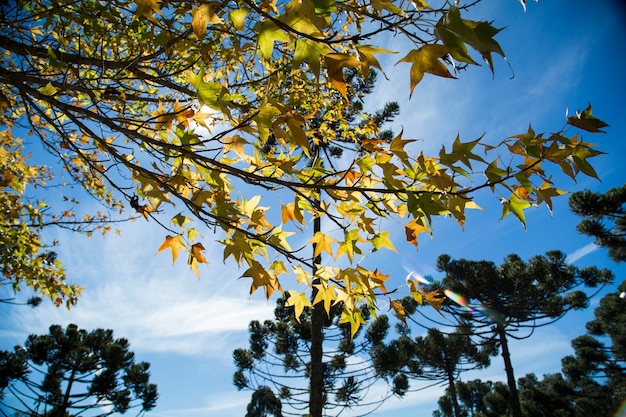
(326, 295)
(298, 301)
(174, 243)
(147, 8)
(291, 212)
(397, 307)
(412, 229)
(261, 277)
(354, 317)
(203, 16)
(321, 243)
(235, 144)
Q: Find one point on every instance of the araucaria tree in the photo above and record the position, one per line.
(277, 365)
(74, 372)
(604, 218)
(170, 106)
(511, 300)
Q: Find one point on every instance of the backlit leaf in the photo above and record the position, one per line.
(427, 60)
(587, 121)
(174, 244)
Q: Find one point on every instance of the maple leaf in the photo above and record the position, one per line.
(147, 8)
(196, 257)
(382, 240)
(349, 246)
(268, 33)
(426, 60)
(435, 299)
(298, 301)
(321, 243)
(367, 58)
(516, 206)
(354, 317)
(235, 143)
(335, 63)
(397, 307)
(585, 120)
(412, 229)
(455, 32)
(291, 212)
(545, 193)
(173, 243)
(203, 16)
(326, 295)
(261, 277)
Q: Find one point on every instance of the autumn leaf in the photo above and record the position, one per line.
(196, 257)
(268, 33)
(383, 240)
(335, 63)
(354, 318)
(325, 294)
(367, 58)
(545, 193)
(397, 307)
(427, 60)
(203, 16)
(298, 301)
(173, 243)
(585, 120)
(147, 9)
(235, 143)
(321, 242)
(412, 229)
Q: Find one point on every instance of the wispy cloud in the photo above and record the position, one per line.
(580, 253)
(142, 297)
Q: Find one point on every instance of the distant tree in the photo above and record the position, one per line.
(604, 218)
(553, 396)
(263, 403)
(276, 366)
(476, 399)
(435, 357)
(500, 302)
(72, 372)
(597, 370)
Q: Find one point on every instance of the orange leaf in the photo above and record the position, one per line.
(174, 243)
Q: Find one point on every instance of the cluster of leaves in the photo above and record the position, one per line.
(75, 372)
(177, 101)
(24, 257)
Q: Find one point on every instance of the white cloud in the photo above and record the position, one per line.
(142, 297)
(580, 253)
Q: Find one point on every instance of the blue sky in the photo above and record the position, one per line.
(563, 54)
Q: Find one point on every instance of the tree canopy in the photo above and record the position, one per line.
(168, 107)
(511, 300)
(74, 372)
(604, 218)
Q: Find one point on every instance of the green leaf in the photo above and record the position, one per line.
(48, 90)
(516, 206)
(455, 32)
(585, 120)
(268, 33)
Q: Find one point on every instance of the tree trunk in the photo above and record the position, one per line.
(452, 388)
(516, 410)
(316, 387)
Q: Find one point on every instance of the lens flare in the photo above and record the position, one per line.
(413, 274)
(464, 302)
